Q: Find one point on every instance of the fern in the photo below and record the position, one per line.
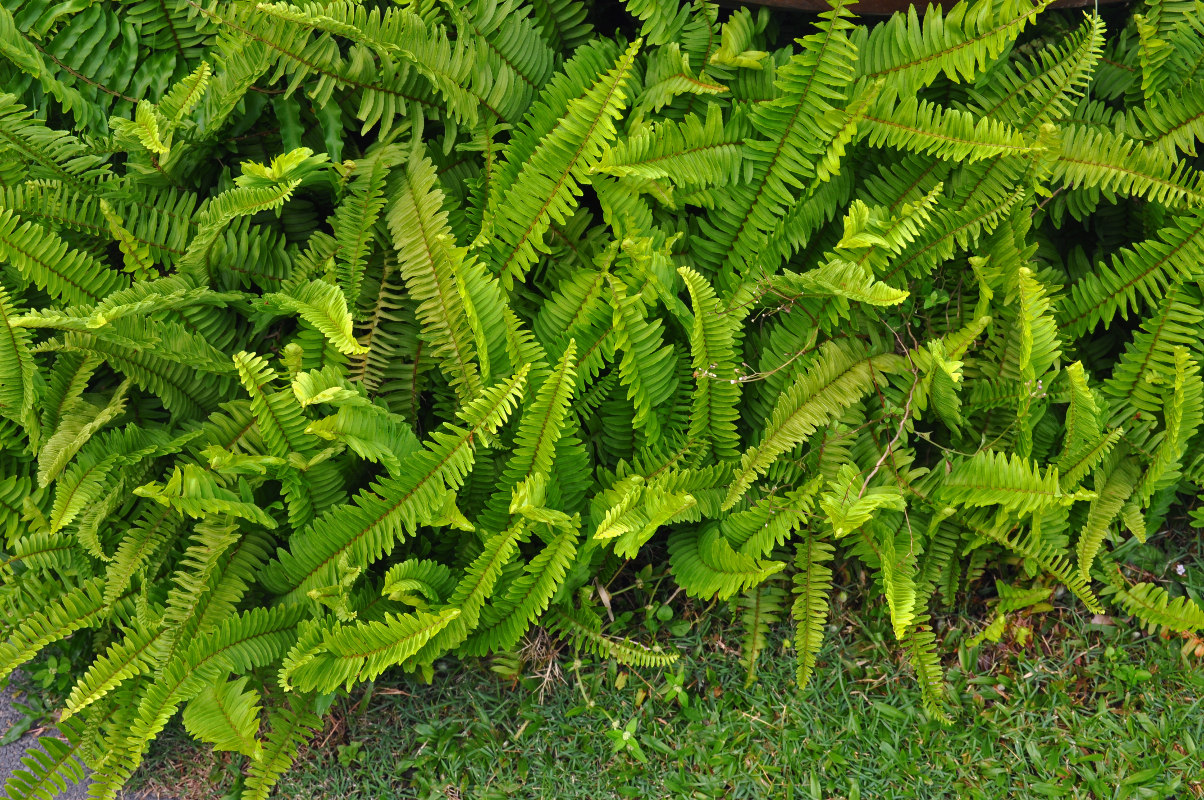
(337, 338)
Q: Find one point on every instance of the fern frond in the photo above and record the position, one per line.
(761, 609)
(1183, 414)
(960, 44)
(349, 654)
(124, 659)
(49, 263)
(793, 130)
(1153, 605)
(1143, 272)
(504, 622)
(50, 766)
(705, 565)
(550, 172)
(697, 151)
(1113, 163)
(324, 306)
(540, 428)
(289, 726)
(714, 413)
(368, 527)
(17, 388)
(583, 628)
(812, 586)
(840, 375)
(647, 368)
(226, 715)
(75, 608)
(909, 123)
(1116, 491)
(921, 650)
(429, 262)
(993, 478)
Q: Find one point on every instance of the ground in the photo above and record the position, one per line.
(1087, 708)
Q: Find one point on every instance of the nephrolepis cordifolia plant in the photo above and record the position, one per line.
(343, 337)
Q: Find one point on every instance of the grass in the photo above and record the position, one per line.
(1084, 709)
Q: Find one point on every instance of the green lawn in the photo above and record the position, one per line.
(1084, 710)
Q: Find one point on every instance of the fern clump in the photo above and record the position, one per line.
(345, 336)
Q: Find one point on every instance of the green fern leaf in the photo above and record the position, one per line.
(840, 375)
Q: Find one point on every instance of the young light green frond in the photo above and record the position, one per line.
(660, 504)
(898, 573)
(258, 188)
(705, 565)
(841, 374)
(1157, 28)
(196, 493)
(283, 426)
(226, 715)
(418, 583)
(324, 306)
(840, 278)
(741, 34)
(943, 378)
(430, 262)
(849, 503)
(349, 654)
(550, 176)
(990, 477)
(1039, 347)
(369, 526)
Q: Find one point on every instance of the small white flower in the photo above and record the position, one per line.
(1179, 568)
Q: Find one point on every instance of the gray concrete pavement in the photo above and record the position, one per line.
(10, 754)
